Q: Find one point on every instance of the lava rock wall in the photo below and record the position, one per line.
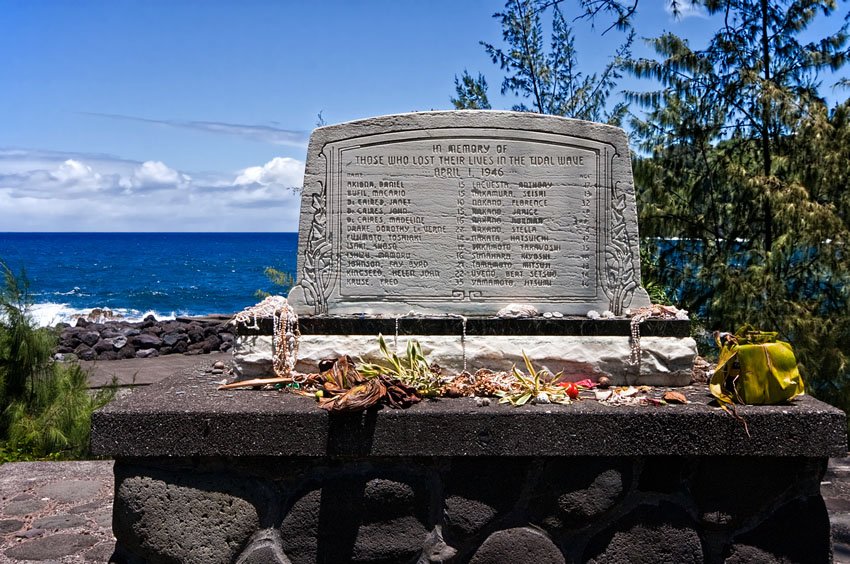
(114, 340)
(471, 509)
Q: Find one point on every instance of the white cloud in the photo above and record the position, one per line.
(52, 191)
(154, 175)
(280, 171)
(75, 172)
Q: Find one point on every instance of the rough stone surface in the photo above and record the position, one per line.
(151, 511)
(50, 548)
(70, 489)
(103, 518)
(146, 341)
(10, 525)
(835, 490)
(299, 530)
(723, 497)
(23, 507)
(20, 481)
(743, 554)
(518, 546)
(382, 510)
(666, 361)
(398, 213)
(478, 492)
(395, 540)
(90, 338)
(378, 520)
(100, 553)
(602, 493)
(147, 353)
(252, 356)
(465, 517)
(54, 522)
(187, 416)
(265, 548)
(651, 534)
(599, 496)
(108, 337)
(797, 532)
(387, 498)
(571, 492)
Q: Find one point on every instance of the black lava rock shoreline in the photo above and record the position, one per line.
(114, 339)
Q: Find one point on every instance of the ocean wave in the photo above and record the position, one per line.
(49, 314)
(75, 291)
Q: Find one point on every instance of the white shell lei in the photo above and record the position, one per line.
(640, 315)
(286, 333)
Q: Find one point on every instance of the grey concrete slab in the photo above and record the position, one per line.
(144, 371)
(186, 415)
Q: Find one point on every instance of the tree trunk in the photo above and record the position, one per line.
(765, 128)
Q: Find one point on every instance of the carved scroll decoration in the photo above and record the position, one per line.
(621, 279)
(318, 256)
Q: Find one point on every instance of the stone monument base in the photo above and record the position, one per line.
(249, 476)
(471, 509)
(580, 347)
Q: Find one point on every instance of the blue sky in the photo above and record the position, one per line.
(194, 115)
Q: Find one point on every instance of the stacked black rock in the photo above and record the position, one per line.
(113, 340)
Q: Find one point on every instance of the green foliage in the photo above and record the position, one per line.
(24, 349)
(535, 387)
(550, 79)
(471, 93)
(620, 12)
(745, 168)
(10, 454)
(283, 280)
(45, 407)
(56, 420)
(412, 369)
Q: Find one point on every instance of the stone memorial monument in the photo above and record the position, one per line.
(437, 225)
(466, 212)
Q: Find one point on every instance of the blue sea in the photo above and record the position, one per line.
(137, 274)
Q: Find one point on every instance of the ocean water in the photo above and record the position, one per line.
(136, 274)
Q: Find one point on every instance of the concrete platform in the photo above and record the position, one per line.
(185, 415)
(144, 371)
(203, 475)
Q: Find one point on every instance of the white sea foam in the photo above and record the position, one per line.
(49, 314)
(75, 291)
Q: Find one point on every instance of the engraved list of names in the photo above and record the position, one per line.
(467, 216)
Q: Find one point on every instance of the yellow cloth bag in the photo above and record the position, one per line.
(755, 368)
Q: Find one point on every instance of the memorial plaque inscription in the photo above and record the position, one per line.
(464, 212)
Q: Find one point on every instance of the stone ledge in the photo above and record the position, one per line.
(185, 415)
(485, 326)
(665, 361)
